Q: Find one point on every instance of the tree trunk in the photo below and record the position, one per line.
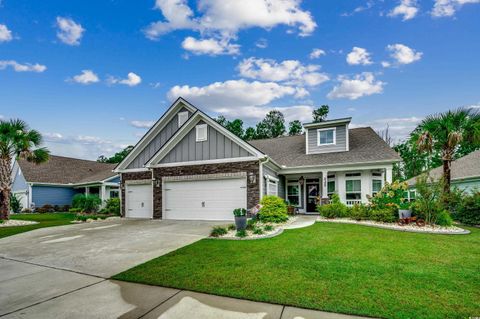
(5, 188)
(447, 176)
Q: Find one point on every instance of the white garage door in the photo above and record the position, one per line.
(204, 199)
(138, 201)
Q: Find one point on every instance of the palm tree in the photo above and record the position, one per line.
(17, 141)
(444, 132)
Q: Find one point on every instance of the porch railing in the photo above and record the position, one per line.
(353, 202)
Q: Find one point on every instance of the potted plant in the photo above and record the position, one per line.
(240, 218)
(404, 210)
(290, 208)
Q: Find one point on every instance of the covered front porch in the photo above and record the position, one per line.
(104, 190)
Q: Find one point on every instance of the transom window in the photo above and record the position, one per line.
(272, 188)
(201, 132)
(182, 118)
(293, 194)
(326, 136)
(353, 189)
(376, 186)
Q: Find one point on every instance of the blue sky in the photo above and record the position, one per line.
(91, 77)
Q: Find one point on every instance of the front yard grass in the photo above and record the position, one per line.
(45, 220)
(343, 268)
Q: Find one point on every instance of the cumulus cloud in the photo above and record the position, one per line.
(261, 43)
(403, 54)
(210, 46)
(142, 124)
(360, 85)
(291, 72)
(5, 34)
(316, 53)
(408, 9)
(86, 77)
(359, 56)
(131, 80)
(448, 8)
(19, 67)
(69, 32)
(399, 127)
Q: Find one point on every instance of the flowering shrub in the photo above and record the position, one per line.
(391, 195)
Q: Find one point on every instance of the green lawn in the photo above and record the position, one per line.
(333, 267)
(45, 220)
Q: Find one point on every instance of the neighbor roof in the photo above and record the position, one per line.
(365, 146)
(463, 168)
(66, 170)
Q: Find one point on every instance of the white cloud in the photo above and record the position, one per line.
(261, 43)
(5, 34)
(448, 8)
(369, 4)
(177, 14)
(142, 124)
(358, 56)
(316, 53)
(69, 31)
(360, 85)
(399, 127)
(25, 67)
(386, 64)
(407, 8)
(291, 72)
(86, 77)
(210, 46)
(131, 80)
(403, 54)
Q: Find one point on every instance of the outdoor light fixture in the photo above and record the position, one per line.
(252, 178)
(301, 180)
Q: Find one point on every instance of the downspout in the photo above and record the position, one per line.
(263, 160)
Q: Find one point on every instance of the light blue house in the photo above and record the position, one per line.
(58, 180)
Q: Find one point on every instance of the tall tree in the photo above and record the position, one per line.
(250, 134)
(320, 114)
(117, 157)
(295, 128)
(413, 162)
(17, 141)
(236, 127)
(273, 125)
(444, 132)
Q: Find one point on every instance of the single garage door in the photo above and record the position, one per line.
(204, 199)
(139, 201)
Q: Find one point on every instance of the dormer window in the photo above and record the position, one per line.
(201, 132)
(182, 118)
(326, 136)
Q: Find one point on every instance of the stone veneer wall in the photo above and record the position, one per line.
(253, 189)
(130, 177)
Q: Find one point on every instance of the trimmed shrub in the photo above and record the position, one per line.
(268, 228)
(444, 219)
(358, 212)
(241, 233)
(257, 231)
(468, 212)
(218, 231)
(251, 224)
(333, 210)
(87, 203)
(274, 210)
(386, 215)
(231, 227)
(112, 207)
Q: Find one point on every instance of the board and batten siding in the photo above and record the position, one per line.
(217, 146)
(52, 195)
(19, 182)
(159, 140)
(281, 181)
(340, 145)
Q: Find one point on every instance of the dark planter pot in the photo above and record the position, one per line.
(404, 213)
(291, 210)
(241, 222)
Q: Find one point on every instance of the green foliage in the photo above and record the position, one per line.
(112, 207)
(336, 209)
(15, 204)
(273, 125)
(320, 114)
(257, 231)
(241, 233)
(444, 219)
(250, 134)
(84, 217)
(74, 210)
(117, 157)
(87, 203)
(235, 126)
(268, 228)
(273, 209)
(231, 227)
(468, 212)
(386, 214)
(390, 195)
(428, 203)
(218, 231)
(45, 209)
(414, 162)
(358, 212)
(239, 212)
(295, 128)
(251, 224)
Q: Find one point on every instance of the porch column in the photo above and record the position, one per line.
(389, 174)
(87, 190)
(324, 184)
(103, 194)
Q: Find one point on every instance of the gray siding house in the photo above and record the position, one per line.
(187, 166)
(58, 180)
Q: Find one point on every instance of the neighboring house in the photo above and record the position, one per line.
(60, 178)
(465, 174)
(188, 166)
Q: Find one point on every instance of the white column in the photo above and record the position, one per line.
(389, 174)
(324, 184)
(366, 185)
(103, 194)
(87, 190)
(340, 179)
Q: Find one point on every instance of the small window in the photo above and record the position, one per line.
(331, 187)
(114, 193)
(201, 131)
(293, 194)
(272, 188)
(376, 186)
(182, 118)
(353, 189)
(326, 136)
(353, 174)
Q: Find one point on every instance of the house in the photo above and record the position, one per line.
(187, 166)
(465, 174)
(60, 178)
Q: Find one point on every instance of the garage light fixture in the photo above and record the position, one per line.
(252, 178)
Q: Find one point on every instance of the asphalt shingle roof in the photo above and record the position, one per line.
(365, 146)
(66, 170)
(465, 167)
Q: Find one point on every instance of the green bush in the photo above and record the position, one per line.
(274, 210)
(231, 227)
(241, 233)
(444, 219)
(15, 204)
(87, 203)
(428, 204)
(112, 207)
(257, 231)
(218, 231)
(74, 210)
(251, 224)
(84, 217)
(333, 210)
(390, 195)
(385, 215)
(358, 212)
(468, 212)
(45, 209)
(239, 212)
(268, 228)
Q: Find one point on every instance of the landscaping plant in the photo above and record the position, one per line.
(335, 209)
(428, 204)
(112, 207)
(241, 233)
(218, 231)
(390, 194)
(274, 210)
(468, 211)
(86, 203)
(15, 204)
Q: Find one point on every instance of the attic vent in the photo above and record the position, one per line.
(201, 132)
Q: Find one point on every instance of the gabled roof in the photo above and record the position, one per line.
(365, 147)
(66, 170)
(345, 120)
(463, 168)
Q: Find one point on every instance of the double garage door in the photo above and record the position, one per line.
(213, 199)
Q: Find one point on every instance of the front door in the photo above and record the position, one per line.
(313, 191)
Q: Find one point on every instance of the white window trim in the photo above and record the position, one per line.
(299, 193)
(201, 127)
(334, 129)
(182, 118)
(381, 185)
(271, 180)
(331, 179)
(353, 192)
